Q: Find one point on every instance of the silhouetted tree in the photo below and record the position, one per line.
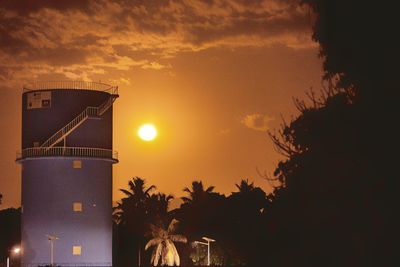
(358, 44)
(198, 215)
(236, 222)
(244, 223)
(133, 221)
(337, 200)
(326, 207)
(158, 206)
(197, 192)
(368, 62)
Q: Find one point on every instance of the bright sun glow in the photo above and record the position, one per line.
(147, 132)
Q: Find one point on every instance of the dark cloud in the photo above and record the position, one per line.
(24, 7)
(123, 34)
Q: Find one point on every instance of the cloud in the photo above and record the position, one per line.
(88, 37)
(225, 131)
(257, 121)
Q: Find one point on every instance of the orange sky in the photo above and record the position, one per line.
(213, 76)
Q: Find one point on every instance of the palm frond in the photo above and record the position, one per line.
(126, 192)
(173, 226)
(177, 260)
(178, 238)
(210, 189)
(186, 199)
(148, 190)
(157, 254)
(153, 242)
(170, 253)
(156, 231)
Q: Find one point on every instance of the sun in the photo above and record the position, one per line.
(147, 132)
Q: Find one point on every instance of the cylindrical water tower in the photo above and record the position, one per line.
(66, 161)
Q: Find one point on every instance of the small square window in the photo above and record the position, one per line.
(77, 206)
(76, 250)
(77, 164)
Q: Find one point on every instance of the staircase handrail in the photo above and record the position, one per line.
(69, 127)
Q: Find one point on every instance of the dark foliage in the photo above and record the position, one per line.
(134, 214)
(336, 205)
(10, 236)
(358, 42)
(236, 222)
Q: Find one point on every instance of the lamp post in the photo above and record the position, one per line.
(208, 247)
(15, 251)
(51, 239)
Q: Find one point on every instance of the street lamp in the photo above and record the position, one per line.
(51, 239)
(208, 247)
(15, 251)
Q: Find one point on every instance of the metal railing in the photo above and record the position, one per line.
(78, 85)
(89, 152)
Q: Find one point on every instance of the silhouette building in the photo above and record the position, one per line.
(66, 162)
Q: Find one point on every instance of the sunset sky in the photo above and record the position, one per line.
(212, 76)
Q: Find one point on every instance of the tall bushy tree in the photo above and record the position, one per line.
(324, 208)
(245, 208)
(234, 221)
(134, 214)
(337, 199)
(201, 209)
(359, 46)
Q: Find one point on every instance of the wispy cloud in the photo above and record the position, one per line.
(257, 121)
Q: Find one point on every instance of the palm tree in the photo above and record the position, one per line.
(164, 247)
(134, 204)
(158, 205)
(132, 213)
(249, 197)
(197, 192)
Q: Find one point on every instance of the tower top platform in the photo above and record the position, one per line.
(70, 85)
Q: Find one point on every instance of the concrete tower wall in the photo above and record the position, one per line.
(40, 121)
(66, 196)
(50, 188)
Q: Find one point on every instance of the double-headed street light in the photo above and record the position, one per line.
(14, 251)
(208, 247)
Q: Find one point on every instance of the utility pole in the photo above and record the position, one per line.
(51, 239)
